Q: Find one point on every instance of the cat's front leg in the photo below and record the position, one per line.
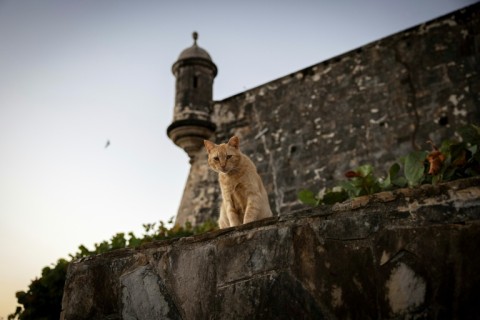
(232, 215)
(223, 219)
(252, 211)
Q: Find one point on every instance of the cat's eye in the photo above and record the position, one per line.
(216, 158)
(229, 156)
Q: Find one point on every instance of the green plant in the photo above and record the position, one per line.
(453, 160)
(43, 299)
(325, 196)
(414, 167)
(361, 182)
(457, 159)
(394, 178)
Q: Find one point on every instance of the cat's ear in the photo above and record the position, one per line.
(208, 145)
(234, 142)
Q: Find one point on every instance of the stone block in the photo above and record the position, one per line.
(144, 296)
(269, 296)
(244, 255)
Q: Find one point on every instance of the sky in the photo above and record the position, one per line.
(76, 74)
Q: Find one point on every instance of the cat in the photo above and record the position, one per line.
(244, 196)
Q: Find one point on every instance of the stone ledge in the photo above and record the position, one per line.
(405, 253)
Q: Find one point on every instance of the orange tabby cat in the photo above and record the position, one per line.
(244, 196)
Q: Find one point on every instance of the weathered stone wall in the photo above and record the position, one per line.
(370, 105)
(406, 254)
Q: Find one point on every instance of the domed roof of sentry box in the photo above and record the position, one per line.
(194, 51)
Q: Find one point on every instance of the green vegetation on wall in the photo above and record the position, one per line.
(452, 160)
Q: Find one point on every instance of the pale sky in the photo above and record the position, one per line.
(74, 74)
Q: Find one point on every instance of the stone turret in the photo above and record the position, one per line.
(194, 71)
(192, 123)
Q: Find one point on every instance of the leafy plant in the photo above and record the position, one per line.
(42, 300)
(44, 296)
(394, 178)
(453, 160)
(361, 182)
(325, 196)
(414, 167)
(309, 198)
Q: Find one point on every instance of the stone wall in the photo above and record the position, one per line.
(406, 254)
(370, 105)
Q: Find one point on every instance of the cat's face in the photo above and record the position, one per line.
(225, 157)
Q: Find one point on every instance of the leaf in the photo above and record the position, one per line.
(352, 187)
(400, 182)
(392, 174)
(414, 167)
(307, 197)
(396, 179)
(461, 159)
(470, 134)
(334, 197)
(435, 160)
(394, 170)
(446, 146)
(365, 170)
(352, 174)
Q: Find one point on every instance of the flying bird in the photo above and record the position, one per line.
(107, 144)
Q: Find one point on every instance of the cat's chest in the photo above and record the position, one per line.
(238, 196)
(234, 188)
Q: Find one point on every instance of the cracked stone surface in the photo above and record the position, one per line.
(383, 259)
